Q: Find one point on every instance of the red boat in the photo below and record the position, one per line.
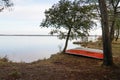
(88, 52)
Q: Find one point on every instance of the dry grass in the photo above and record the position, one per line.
(61, 67)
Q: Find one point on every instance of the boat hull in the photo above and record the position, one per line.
(93, 53)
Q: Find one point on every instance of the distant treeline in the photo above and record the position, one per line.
(35, 35)
(24, 35)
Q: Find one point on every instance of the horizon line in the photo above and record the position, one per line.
(26, 35)
(33, 35)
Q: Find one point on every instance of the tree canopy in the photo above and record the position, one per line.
(74, 16)
(5, 4)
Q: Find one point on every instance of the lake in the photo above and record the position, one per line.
(30, 48)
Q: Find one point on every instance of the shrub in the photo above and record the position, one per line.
(14, 75)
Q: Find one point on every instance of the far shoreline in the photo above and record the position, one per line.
(25, 35)
(37, 35)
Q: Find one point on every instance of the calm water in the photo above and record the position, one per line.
(30, 48)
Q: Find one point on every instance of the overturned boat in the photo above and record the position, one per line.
(87, 52)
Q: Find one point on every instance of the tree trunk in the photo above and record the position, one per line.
(66, 42)
(112, 30)
(117, 33)
(112, 27)
(107, 48)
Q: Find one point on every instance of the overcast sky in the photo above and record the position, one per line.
(25, 17)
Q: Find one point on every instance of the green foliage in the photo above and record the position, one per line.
(74, 15)
(5, 4)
